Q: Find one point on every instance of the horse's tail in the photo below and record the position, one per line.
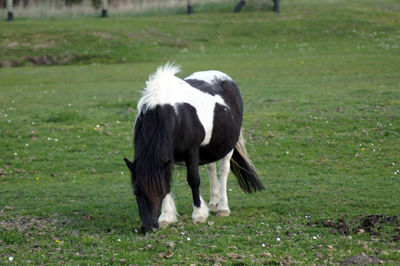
(244, 170)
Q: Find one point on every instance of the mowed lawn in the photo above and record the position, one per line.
(321, 89)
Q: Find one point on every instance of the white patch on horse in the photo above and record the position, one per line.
(168, 211)
(200, 214)
(209, 76)
(163, 87)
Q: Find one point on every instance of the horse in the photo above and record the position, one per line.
(195, 121)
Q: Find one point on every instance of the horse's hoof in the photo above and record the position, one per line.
(163, 224)
(213, 207)
(223, 213)
(200, 220)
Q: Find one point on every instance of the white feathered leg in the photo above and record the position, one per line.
(168, 212)
(200, 214)
(214, 187)
(224, 167)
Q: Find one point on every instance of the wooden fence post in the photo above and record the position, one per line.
(239, 6)
(10, 15)
(189, 7)
(104, 7)
(276, 6)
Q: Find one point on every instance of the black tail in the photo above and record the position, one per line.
(244, 170)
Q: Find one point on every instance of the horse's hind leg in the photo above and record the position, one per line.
(200, 209)
(224, 167)
(169, 214)
(214, 187)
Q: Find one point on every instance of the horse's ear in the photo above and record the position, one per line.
(130, 165)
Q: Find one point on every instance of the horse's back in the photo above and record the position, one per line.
(227, 117)
(203, 111)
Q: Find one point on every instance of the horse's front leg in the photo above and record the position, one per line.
(200, 209)
(169, 214)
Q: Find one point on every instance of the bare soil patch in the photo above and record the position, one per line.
(371, 224)
(47, 60)
(27, 224)
(361, 260)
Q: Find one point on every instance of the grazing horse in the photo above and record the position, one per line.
(196, 120)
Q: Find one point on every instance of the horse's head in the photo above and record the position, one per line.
(149, 193)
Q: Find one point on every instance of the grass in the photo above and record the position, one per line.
(321, 91)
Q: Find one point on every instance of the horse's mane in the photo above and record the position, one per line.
(153, 154)
(158, 85)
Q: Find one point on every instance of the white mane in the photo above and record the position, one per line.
(157, 86)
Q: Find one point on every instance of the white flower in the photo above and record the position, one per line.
(278, 239)
(55, 139)
(26, 144)
(188, 239)
(263, 245)
(15, 154)
(48, 138)
(10, 258)
(119, 240)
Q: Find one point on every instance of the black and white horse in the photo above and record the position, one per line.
(196, 120)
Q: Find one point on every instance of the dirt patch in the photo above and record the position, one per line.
(41, 60)
(341, 226)
(371, 224)
(26, 224)
(102, 35)
(47, 60)
(361, 260)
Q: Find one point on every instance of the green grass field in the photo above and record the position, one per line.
(320, 83)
